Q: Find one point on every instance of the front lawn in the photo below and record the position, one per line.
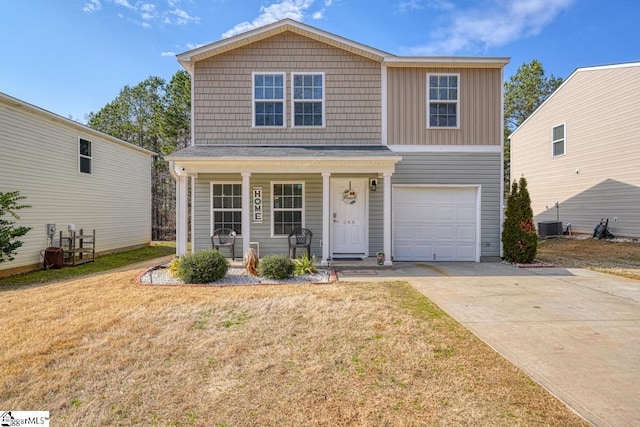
(103, 350)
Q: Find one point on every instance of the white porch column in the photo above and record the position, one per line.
(246, 212)
(386, 218)
(181, 214)
(326, 218)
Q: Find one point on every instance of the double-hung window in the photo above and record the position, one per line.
(268, 99)
(443, 100)
(288, 207)
(85, 158)
(308, 99)
(558, 140)
(226, 206)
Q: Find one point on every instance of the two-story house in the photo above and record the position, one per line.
(580, 151)
(296, 127)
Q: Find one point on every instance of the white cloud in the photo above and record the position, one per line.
(92, 6)
(407, 6)
(492, 24)
(164, 54)
(318, 15)
(144, 13)
(293, 9)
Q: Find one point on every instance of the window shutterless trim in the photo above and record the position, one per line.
(268, 100)
(212, 210)
(85, 159)
(455, 102)
(320, 100)
(555, 141)
(274, 209)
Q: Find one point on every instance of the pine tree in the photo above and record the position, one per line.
(519, 237)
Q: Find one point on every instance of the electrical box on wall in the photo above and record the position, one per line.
(51, 228)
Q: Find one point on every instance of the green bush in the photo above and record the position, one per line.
(305, 265)
(203, 267)
(519, 237)
(276, 267)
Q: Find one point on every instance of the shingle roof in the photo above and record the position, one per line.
(204, 152)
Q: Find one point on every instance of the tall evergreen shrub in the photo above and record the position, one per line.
(519, 237)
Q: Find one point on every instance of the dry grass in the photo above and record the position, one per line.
(104, 351)
(619, 258)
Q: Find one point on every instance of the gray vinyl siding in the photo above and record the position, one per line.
(39, 158)
(223, 94)
(598, 175)
(460, 169)
(261, 232)
(480, 106)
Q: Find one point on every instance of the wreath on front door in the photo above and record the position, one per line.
(349, 196)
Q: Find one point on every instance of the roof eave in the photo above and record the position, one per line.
(445, 61)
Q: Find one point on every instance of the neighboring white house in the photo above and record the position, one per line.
(581, 149)
(71, 174)
(297, 127)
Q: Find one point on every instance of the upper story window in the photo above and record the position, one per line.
(308, 99)
(558, 140)
(226, 206)
(268, 99)
(443, 100)
(85, 158)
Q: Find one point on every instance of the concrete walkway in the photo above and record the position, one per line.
(574, 331)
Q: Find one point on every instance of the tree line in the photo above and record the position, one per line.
(156, 115)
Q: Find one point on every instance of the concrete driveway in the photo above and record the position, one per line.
(574, 331)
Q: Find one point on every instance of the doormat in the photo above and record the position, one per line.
(358, 272)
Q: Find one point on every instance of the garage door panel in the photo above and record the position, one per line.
(466, 233)
(435, 222)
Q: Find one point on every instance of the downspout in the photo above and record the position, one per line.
(501, 159)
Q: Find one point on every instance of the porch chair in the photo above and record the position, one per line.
(224, 237)
(300, 238)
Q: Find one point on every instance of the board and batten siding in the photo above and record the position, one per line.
(39, 158)
(598, 177)
(450, 169)
(223, 94)
(480, 107)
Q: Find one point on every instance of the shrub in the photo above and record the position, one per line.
(304, 265)
(519, 237)
(276, 267)
(203, 267)
(9, 233)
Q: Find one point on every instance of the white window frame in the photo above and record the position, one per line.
(212, 210)
(438, 101)
(255, 101)
(84, 156)
(322, 100)
(273, 208)
(555, 141)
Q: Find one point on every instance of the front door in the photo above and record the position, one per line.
(349, 221)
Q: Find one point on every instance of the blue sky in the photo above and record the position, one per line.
(72, 57)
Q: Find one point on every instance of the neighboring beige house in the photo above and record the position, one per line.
(581, 149)
(297, 127)
(71, 174)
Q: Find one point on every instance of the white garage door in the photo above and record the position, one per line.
(434, 223)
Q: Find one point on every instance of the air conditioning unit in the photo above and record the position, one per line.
(550, 228)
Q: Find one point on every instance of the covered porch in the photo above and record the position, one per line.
(342, 193)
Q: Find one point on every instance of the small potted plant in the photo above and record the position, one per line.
(380, 257)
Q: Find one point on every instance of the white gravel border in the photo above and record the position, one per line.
(160, 275)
